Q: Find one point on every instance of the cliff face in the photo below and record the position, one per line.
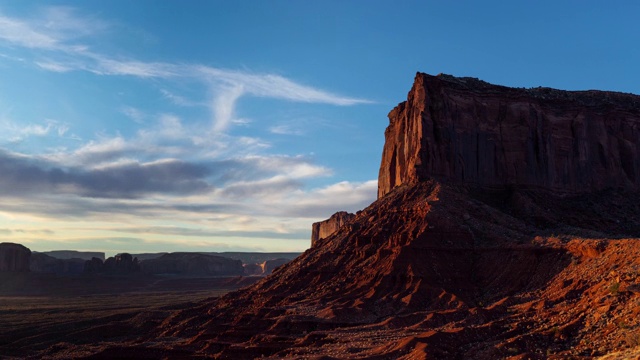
(464, 130)
(14, 257)
(323, 229)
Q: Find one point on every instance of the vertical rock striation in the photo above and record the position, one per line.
(463, 130)
(14, 258)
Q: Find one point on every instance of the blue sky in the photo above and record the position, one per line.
(221, 126)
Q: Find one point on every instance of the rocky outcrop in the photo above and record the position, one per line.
(252, 269)
(93, 266)
(14, 257)
(270, 265)
(192, 264)
(323, 229)
(464, 130)
(43, 263)
(121, 264)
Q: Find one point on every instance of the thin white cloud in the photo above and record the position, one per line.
(14, 132)
(23, 34)
(57, 30)
(322, 202)
(134, 114)
(107, 66)
(54, 66)
(275, 86)
(66, 23)
(51, 29)
(177, 99)
(286, 129)
(224, 105)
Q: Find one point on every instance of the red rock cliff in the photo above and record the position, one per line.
(468, 131)
(323, 229)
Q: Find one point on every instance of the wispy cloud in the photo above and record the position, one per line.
(134, 114)
(56, 33)
(178, 99)
(53, 66)
(15, 132)
(27, 231)
(52, 28)
(224, 103)
(286, 129)
(322, 202)
(23, 34)
(172, 169)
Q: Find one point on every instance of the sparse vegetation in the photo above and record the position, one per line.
(614, 288)
(623, 325)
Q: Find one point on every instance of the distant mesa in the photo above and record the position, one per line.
(255, 257)
(18, 258)
(73, 254)
(43, 263)
(192, 264)
(14, 257)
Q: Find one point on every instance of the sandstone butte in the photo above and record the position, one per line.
(506, 227)
(463, 130)
(14, 258)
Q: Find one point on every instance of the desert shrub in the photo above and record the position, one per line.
(614, 288)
